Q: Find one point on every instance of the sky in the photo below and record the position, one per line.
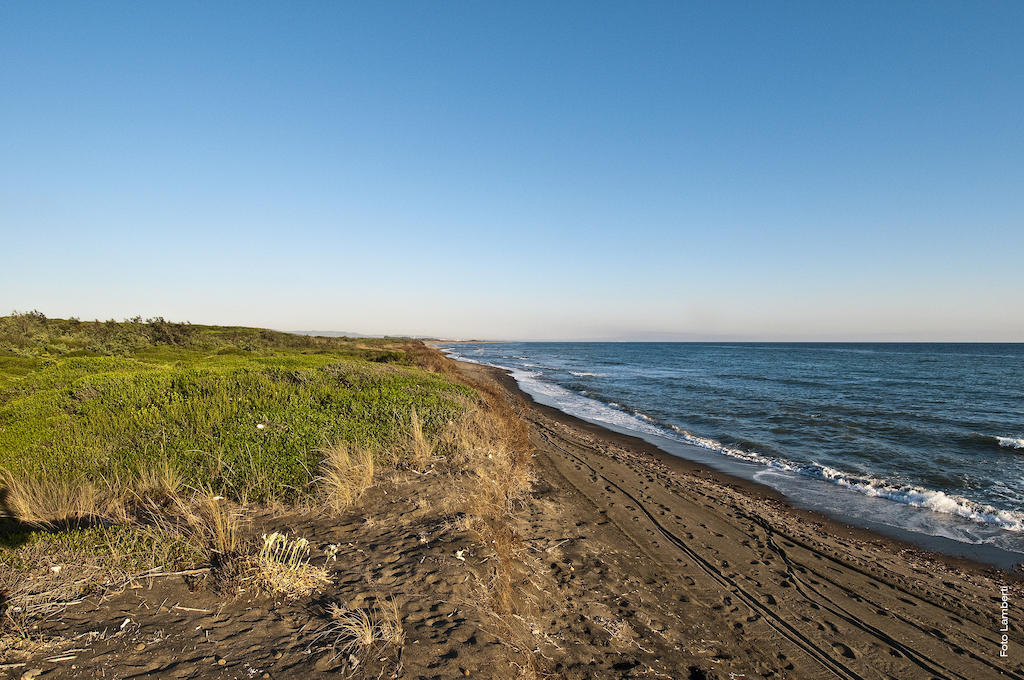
(568, 170)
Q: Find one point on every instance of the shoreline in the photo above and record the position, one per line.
(981, 555)
(729, 571)
(754, 489)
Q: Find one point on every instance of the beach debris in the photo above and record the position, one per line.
(459, 555)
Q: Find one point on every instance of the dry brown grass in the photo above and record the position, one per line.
(429, 358)
(421, 450)
(492, 454)
(53, 500)
(490, 460)
(345, 475)
(354, 630)
(56, 500)
(212, 522)
(161, 482)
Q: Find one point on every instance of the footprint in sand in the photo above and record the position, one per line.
(843, 650)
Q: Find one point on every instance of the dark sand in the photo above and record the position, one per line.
(748, 586)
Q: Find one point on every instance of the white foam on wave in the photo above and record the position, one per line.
(919, 497)
(907, 494)
(585, 374)
(452, 354)
(582, 406)
(1011, 442)
(620, 416)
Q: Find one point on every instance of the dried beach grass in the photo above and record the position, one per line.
(51, 500)
(421, 450)
(345, 474)
(352, 630)
(212, 522)
(490, 454)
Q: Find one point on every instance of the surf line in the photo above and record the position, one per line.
(1004, 621)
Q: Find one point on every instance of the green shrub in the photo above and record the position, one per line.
(243, 411)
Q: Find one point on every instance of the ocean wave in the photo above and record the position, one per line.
(452, 354)
(985, 441)
(906, 494)
(619, 415)
(916, 496)
(585, 374)
(919, 497)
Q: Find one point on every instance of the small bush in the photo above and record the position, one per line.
(282, 567)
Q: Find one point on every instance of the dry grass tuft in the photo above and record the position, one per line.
(54, 500)
(421, 451)
(161, 482)
(496, 476)
(352, 630)
(282, 567)
(212, 522)
(345, 474)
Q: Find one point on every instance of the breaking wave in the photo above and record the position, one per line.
(621, 416)
(618, 415)
(907, 494)
(916, 496)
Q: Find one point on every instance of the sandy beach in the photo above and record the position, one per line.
(630, 563)
(709, 569)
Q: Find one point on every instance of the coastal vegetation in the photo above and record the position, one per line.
(137, 449)
(209, 501)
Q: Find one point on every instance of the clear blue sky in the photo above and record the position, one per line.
(759, 170)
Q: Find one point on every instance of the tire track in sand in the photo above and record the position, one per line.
(808, 646)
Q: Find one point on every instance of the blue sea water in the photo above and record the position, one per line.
(919, 440)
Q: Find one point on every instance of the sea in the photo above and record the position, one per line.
(923, 442)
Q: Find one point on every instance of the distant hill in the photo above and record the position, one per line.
(350, 334)
(332, 334)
